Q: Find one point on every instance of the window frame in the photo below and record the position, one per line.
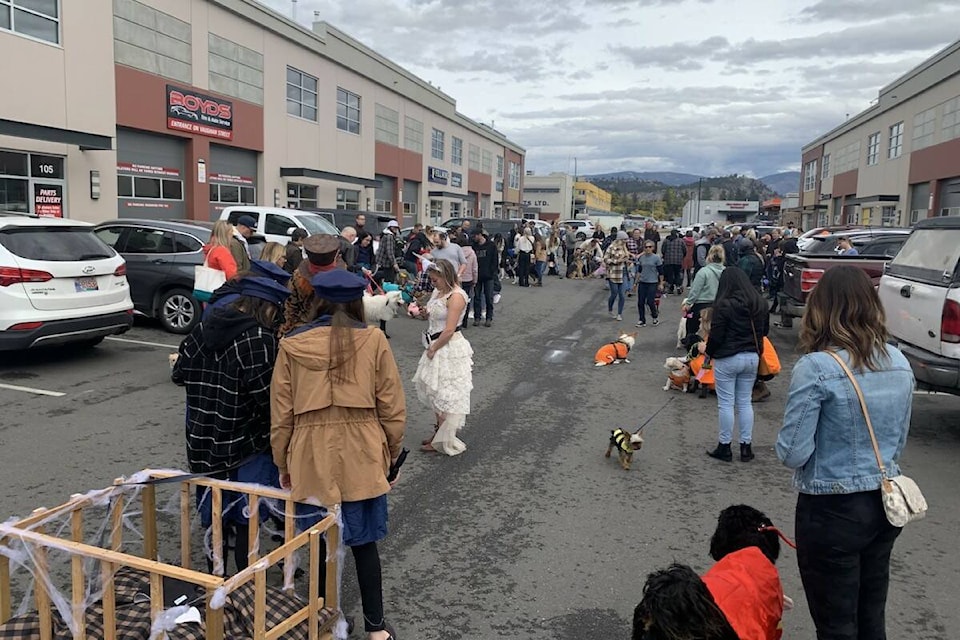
(241, 189)
(437, 144)
(315, 92)
(383, 116)
(810, 176)
(895, 150)
(344, 203)
(456, 151)
(921, 121)
(298, 200)
(348, 109)
(825, 167)
(412, 134)
(12, 6)
(873, 149)
(950, 119)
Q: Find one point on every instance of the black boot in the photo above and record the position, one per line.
(746, 452)
(722, 452)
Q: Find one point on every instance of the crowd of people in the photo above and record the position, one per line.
(286, 385)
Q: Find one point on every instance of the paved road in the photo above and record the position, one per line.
(531, 533)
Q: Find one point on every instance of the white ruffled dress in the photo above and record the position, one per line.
(444, 382)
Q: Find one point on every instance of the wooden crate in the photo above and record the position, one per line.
(30, 531)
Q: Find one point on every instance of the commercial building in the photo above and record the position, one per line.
(703, 212)
(896, 162)
(180, 108)
(549, 197)
(591, 199)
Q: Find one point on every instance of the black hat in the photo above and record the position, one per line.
(263, 288)
(266, 269)
(338, 286)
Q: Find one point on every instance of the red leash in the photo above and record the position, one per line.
(789, 542)
(374, 282)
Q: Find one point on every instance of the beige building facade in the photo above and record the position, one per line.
(896, 162)
(204, 104)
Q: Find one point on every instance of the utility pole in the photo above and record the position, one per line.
(573, 192)
(699, 190)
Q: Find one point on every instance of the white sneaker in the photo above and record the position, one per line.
(470, 315)
(496, 298)
(619, 318)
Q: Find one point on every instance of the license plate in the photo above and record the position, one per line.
(85, 284)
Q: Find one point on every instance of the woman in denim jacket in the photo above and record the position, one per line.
(843, 537)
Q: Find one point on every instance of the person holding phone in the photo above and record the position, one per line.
(338, 416)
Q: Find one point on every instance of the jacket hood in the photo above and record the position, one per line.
(311, 347)
(223, 326)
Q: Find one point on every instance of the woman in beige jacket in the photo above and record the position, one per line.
(337, 422)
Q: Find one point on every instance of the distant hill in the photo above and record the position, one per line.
(783, 183)
(668, 178)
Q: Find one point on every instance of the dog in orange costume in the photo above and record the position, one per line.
(615, 352)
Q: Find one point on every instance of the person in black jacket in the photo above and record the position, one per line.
(487, 267)
(740, 321)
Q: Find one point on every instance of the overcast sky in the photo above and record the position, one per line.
(698, 86)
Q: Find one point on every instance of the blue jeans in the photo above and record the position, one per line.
(482, 293)
(734, 378)
(618, 291)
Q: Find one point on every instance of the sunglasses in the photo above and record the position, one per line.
(648, 246)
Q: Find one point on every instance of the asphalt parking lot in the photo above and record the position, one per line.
(531, 533)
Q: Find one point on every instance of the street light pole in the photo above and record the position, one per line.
(699, 190)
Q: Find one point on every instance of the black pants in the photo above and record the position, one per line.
(483, 292)
(673, 274)
(467, 289)
(647, 295)
(370, 579)
(843, 552)
(693, 322)
(523, 267)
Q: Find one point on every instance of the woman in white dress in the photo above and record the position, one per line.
(444, 377)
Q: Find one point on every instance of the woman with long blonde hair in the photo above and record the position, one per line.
(274, 252)
(217, 250)
(844, 540)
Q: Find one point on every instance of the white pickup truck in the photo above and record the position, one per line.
(920, 291)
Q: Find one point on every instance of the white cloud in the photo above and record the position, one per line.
(684, 85)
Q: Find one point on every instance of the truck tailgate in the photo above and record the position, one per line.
(914, 310)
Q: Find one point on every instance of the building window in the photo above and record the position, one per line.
(487, 166)
(38, 19)
(499, 166)
(301, 196)
(436, 209)
(412, 134)
(301, 94)
(410, 208)
(924, 126)
(456, 151)
(455, 208)
(873, 148)
(810, 176)
(514, 175)
(473, 157)
(387, 124)
(889, 217)
(895, 149)
(383, 206)
(348, 199)
(825, 172)
(951, 119)
(348, 111)
(436, 144)
(145, 188)
(231, 194)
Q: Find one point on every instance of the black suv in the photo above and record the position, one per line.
(161, 256)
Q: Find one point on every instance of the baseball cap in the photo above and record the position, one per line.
(247, 221)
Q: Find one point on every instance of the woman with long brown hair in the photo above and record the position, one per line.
(338, 417)
(444, 377)
(844, 540)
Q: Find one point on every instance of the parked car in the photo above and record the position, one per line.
(276, 225)
(920, 292)
(802, 272)
(161, 256)
(583, 228)
(59, 284)
(807, 238)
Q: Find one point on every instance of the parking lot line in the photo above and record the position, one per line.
(39, 392)
(144, 342)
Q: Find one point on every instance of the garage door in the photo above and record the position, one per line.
(150, 175)
(232, 174)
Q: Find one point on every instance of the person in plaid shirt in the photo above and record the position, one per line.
(617, 260)
(387, 254)
(673, 250)
(634, 245)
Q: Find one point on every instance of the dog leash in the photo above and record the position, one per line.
(789, 542)
(374, 282)
(655, 414)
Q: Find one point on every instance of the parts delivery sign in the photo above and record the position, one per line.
(198, 113)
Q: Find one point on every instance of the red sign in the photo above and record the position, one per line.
(231, 179)
(198, 113)
(48, 200)
(147, 169)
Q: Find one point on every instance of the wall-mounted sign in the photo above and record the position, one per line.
(201, 171)
(46, 166)
(48, 200)
(148, 170)
(230, 179)
(440, 176)
(736, 205)
(198, 113)
(456, 179)
(826, 196)
(535, 203)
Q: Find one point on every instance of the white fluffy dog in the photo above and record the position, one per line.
(382, 307)
(681, 332)
(679, 374)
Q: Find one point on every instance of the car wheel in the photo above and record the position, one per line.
(179, 311)
(581, 236)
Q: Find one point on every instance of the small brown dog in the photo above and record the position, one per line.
(626, 443)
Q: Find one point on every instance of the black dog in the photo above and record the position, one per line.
(742, 526)
(677, 605)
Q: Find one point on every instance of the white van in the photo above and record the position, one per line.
(276, 224)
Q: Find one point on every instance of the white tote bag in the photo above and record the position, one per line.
(206, 281)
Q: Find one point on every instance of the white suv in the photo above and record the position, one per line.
(59, 283)
(276, 224)
(583, 228)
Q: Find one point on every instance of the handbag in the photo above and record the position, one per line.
(769, 365)
(206, 280)
(902, 500)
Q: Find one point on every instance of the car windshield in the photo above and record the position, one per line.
(937, 250)
(823, 244)
(55, 244)
(317, 224)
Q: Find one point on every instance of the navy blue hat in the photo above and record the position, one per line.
(270, 270)
(263, 288)
(247, 221)
(338, 286)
